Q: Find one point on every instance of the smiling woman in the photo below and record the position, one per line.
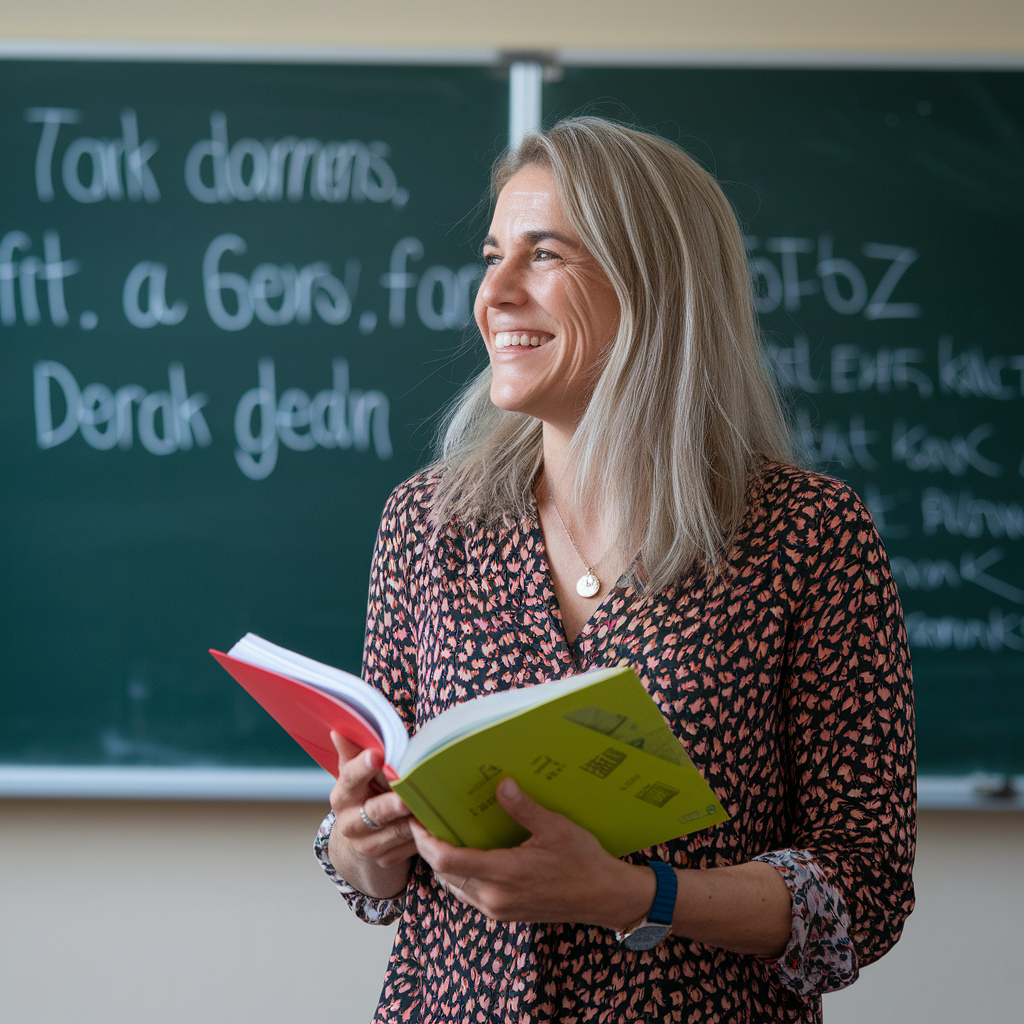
(626, 427)
(664, 393)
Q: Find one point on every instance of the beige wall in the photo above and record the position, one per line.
(951, 25)
(176, 913)
(112, 913)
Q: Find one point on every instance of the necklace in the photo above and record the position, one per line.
(588, 585)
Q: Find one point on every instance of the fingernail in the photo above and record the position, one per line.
(510, 787)
(368, 758)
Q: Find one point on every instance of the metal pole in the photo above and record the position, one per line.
(525, 80)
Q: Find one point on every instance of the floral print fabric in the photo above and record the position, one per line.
(787, 678)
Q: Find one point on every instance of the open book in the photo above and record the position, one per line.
(593, 747)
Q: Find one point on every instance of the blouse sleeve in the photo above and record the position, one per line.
(820, 956)
(366, 908)
(388, 658)
(848, 743)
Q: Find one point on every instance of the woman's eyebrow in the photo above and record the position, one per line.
(536, 236)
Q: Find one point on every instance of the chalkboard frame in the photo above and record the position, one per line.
(973, 792)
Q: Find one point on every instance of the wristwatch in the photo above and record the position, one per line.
(658, 922)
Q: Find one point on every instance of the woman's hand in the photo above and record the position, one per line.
(375, 860)
(561, 873)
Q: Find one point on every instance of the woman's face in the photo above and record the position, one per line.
(546, 309)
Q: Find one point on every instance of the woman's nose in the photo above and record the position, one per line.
(502, 285)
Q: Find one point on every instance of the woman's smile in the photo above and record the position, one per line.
(520, 339)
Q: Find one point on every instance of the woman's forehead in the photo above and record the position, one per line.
(530, 209)
(530, 190)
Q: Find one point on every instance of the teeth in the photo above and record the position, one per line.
(509, 339)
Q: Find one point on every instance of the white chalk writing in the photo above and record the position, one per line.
(931, 574)
(28, 271)
(167, 421)
(217, 171)
(964, 515)
(1001, 631)
(839, 280)
(856, 369)
(276, 295)
(337, 417)
(150, 278)
(971, 374)
(921, 451)
(94, 169)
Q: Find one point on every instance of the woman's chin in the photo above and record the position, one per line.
(509, 399)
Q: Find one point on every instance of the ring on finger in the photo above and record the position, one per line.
(367, 820)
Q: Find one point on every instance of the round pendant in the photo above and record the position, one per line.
(588, 586)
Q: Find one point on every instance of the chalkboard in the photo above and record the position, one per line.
(884, 212)
(232, 298)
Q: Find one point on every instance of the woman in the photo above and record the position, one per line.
(618, 484)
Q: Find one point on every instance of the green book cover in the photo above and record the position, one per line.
(601, 754)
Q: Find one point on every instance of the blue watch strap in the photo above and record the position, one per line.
(665, 897)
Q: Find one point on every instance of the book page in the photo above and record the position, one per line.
(370, 703)
(481, 712)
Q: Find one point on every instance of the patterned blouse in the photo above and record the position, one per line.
(788, 681)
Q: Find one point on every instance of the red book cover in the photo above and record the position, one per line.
(308, 714)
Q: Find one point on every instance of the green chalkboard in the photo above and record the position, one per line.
(232, 300)
(232, 297)
(884, 212)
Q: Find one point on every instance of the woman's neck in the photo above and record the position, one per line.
(556, 483)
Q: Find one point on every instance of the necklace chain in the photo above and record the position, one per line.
(587, 585)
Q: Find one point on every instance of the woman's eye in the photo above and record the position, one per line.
(491, 259)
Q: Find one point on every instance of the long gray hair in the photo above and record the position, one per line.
(683, 407)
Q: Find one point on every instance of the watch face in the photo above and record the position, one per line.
(647, 936)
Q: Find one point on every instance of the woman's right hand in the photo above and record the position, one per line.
(374, 860)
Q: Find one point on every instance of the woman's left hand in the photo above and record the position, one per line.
(561, 873)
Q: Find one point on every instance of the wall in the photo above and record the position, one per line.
(215, 913)
(990, 26)
(218, 913)
(174, 912)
